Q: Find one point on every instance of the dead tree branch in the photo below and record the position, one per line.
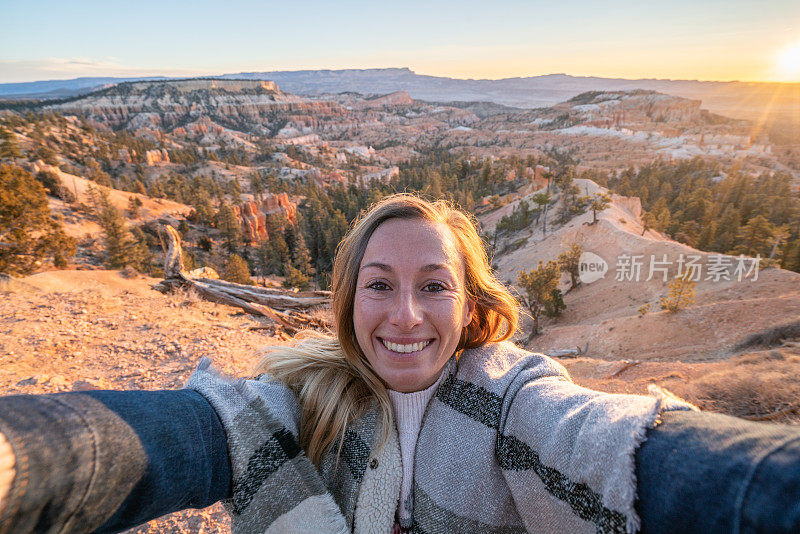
(282, 307)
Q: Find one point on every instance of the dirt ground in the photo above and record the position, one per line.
(78, 330)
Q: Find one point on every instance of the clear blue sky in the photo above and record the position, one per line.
(712, 40)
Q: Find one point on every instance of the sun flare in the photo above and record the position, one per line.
(789, 62)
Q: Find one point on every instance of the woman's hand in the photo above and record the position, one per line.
(6, 468)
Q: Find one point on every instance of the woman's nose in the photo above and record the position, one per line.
(406, 312)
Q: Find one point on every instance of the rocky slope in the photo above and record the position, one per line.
(736, 349)
(78, 225)
(729, 308)
(78, 330)
(170, 104)
(601, 129)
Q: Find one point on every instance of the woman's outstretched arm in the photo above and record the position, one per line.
(701, 472)
(108, 460)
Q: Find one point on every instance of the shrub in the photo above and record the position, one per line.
(28, 232)
(236, 271)
(295, 278)
(541, 292)
(680, 294)
(55, 187)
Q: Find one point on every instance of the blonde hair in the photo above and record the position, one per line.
(330, 375)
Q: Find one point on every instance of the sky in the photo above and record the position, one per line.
(744, 40)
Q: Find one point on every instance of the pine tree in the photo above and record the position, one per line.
(55, 187)
(228, 225)
(134, 204)
(295, 278)
(236, 271)
(727, 230)
(540, 286)
(95, 173)
(542, 199)
(301, 258)
(756, 237)
(680, 294)
(791, 260)
(140, 255)
(648, 221)
(570, 262)
(272, 255)
(9, 148)
(257, 186)
(121, 247)
(555, 304)
(707, 236)
(598, 202)
(28, 233)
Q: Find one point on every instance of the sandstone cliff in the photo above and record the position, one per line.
(169, 105)
(252, 216)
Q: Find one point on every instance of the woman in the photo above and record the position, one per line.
(416, 416)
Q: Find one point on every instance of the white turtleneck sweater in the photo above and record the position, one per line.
(408, 411)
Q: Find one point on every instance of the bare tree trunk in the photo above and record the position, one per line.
(254, 300)
(775, 245)
(173, 253)
(544, 220)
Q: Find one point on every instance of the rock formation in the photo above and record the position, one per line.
(399, 98)
(173, 104)
(252, 216)
(153, 157)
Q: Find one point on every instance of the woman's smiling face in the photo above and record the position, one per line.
(410, 303)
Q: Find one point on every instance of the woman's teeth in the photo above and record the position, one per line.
(412, 347)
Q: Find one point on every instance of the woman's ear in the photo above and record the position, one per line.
(469, 311)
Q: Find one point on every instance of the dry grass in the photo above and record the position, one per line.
(771, 337)
(129, 272)
(185, 297)
(761, 386)
(758, 385)
(322, 313)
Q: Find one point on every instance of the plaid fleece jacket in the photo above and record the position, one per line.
(508, 444)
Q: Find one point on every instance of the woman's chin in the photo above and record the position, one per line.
(407, 384)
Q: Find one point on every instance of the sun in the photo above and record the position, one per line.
(789, 62)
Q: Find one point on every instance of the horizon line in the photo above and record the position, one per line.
(519, 77)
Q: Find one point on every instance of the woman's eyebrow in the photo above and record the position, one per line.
(435, 267)
(377, 265)
(426, 269)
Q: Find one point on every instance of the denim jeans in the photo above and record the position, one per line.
(104, 461)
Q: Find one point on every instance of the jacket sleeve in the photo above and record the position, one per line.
(567, 452)
(108, 460)
(275, 485)
(710, 473)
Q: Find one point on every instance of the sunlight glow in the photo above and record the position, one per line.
(789, 62)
